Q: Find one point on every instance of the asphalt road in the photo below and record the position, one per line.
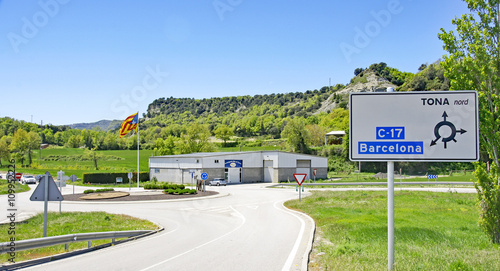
(247, 228)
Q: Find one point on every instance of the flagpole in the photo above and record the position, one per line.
(137, 149)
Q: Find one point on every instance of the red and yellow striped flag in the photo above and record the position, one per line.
(130, 123)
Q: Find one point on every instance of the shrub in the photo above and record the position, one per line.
(164, 186)
(110, 177)
(170, 191)
(192, 191)
(488, 200)
(88, 191)
(179, 191)
(153, 186)
(104, 190)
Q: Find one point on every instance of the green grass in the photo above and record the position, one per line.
(4, 187)
(69, 223)
(433, 231)
(368, 177)
(129, 159)
(127, 164)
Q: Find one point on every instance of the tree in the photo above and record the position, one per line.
(358, 71)
(297, 136)
(19, 144)
(87, 138)
(94, 156)
(317, 134)
(4, 150)
(59, 138)
(223, 132)
(74, 141)
(196, 139)
(110, 142)
(418, 83)
(165, 147)
(33, 142)
(474, 63)
(48, 136)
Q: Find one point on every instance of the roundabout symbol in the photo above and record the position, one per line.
(453, 131)
(204, 176)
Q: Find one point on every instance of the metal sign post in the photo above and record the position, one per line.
(192, 171)
(73, 178)
(299, 178)
(129, 175)
(46, 191)
(204, 177)
(45, 203)
(390, 213)
(60, 175)
(390, 209)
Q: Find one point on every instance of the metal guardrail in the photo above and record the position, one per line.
(67, 239)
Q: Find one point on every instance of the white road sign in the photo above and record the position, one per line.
(53, 192)
(414, 126)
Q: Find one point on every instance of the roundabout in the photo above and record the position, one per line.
(115, 196)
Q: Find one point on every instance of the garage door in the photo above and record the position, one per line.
(234, 175)
(304, 167)
(268, 171)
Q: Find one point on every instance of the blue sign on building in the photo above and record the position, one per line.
(233, 163)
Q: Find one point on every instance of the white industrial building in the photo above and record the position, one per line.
(237, 167)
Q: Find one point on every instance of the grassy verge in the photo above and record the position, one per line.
(4, 187)
(368, 177)
(69, 223)
(433, 231)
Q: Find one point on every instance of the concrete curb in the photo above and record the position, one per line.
(310, 239)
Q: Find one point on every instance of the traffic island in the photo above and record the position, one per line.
(107, 195)
(139, 196)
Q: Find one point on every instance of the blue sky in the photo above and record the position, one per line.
(70, 61)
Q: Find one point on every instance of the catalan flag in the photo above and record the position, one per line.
(129, 124)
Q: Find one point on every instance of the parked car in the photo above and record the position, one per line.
(218, 182)
(10, 176)
(28, 179)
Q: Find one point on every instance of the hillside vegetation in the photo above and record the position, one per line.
(295, 121)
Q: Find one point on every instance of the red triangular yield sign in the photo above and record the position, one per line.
(300, 177)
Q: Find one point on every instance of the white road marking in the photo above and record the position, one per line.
(293, 253)
(202, 245)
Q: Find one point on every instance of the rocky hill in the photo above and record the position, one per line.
(368, 82)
